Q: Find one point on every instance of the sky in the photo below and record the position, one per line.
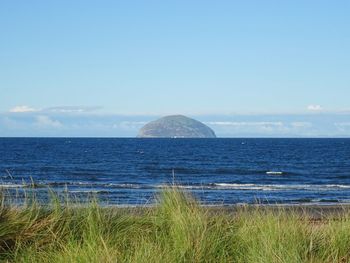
(245, 68)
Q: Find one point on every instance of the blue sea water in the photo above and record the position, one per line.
(131, 171)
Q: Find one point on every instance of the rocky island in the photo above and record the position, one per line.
(176, 126)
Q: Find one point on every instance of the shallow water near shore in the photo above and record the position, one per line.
(216, 171)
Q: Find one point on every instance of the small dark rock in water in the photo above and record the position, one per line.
(176, 126)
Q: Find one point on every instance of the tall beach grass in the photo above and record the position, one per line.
(177, 229)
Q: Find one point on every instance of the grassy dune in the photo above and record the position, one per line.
(177, 230)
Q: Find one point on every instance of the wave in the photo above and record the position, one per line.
(91, 186)
(99, 184)
(89, 192)
(22, 185)
(9, 185)
(274, 187)
(263, 187)
(274, 173)
(219, 171)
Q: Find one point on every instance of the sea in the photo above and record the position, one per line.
(134, 171)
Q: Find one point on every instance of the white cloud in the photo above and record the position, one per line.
(9, 123)
(45, 121)
(129, 125)
(314, 108)
(258, 128)
(301, 124)
(343, 126)
(240, 124)
(22, 108)
(72, 109)
(248, 126)
(59, 109)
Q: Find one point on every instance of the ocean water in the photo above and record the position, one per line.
(216, 171)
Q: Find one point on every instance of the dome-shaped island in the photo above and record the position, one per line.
(176, 126)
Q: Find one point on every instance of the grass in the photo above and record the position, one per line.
(176, 230)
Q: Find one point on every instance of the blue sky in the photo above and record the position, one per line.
(69, 65)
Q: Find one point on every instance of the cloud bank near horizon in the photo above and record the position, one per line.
(69, 121)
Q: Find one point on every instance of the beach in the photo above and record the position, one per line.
(177, 229)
